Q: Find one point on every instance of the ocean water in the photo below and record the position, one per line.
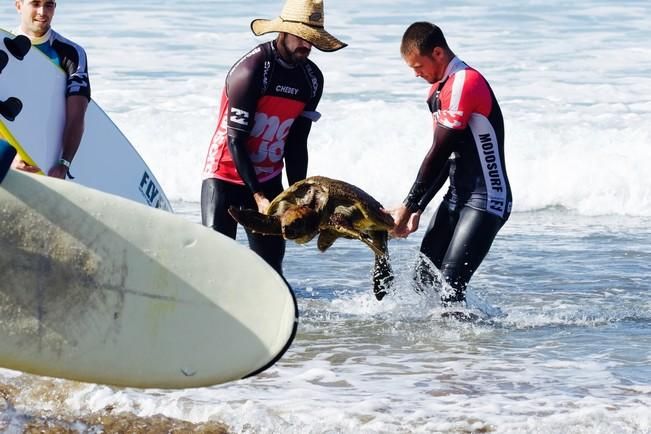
(563, 344)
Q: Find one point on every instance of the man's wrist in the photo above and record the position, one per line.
(411, 206)
(66, 163)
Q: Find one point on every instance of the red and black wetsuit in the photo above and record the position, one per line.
(468, 148)
(267, 109)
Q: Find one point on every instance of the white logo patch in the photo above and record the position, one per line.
(239, 116)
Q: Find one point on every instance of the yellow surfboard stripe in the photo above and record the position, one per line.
(7, 136)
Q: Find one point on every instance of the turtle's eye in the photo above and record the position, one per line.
(293, 230)
(300, 222)
(297, 228)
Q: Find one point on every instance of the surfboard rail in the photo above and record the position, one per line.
(101, 289)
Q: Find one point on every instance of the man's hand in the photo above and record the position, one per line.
(58, 171)
(405, 222)
(20, 164)
(261, 201)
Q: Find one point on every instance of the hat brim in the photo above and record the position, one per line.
(319, 38)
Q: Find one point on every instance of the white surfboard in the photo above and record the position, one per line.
(105, 160)
(100, 289)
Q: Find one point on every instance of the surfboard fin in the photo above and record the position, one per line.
(18, 46)
(256, 222)
(10, 108)
(4, 59)
(7, 154)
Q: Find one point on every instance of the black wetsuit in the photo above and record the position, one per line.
(217, 196)
(266, 114)
(468, 147)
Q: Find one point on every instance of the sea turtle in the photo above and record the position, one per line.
(331, 209)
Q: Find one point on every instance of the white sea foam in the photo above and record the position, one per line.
(577, 120)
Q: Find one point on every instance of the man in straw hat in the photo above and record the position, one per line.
(468, 147)
(267, 109)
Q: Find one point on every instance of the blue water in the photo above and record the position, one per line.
(564, 340)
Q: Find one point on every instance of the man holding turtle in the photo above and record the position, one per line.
(267, 108)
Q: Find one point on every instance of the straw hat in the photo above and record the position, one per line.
(302, 18)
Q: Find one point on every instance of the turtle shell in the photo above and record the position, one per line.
(330, 196)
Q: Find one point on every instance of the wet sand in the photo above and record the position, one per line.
(18, 414)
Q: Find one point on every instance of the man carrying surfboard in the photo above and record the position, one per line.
(468, 148)
(267, 108)
(35, 23)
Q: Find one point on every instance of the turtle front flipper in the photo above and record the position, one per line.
(340, 225)
(348, 232)
(256, 222)
(326, 239)
(370, 241)
(382, 271)
(382, 276)
(379, 241)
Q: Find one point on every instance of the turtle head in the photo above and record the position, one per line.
(300, 224)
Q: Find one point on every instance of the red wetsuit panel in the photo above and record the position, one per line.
(466, 92)
(262, 99)
(265, 145)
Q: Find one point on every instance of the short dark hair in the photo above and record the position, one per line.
(422, 36)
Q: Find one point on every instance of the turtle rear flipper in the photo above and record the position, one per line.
(256, 222)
